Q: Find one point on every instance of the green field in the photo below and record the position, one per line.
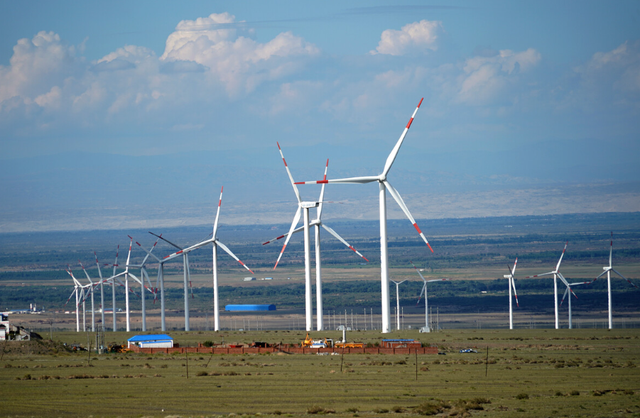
(529, 373)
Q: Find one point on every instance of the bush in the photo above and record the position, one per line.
(315, 409)
(202, 374)
(574, 393)
(380, 410)
(431, 408)
(208, 343)
(398, 409)
(522, 396)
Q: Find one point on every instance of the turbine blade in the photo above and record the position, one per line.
(394, 152)
(354, 180)
(424, 286)
(165, 240)
(418, 271)
(630, 282)
(296, 219)
(321, 201)
(228, 251)
(404, 208)
(339, 238)
(540, 275)
(215, 224)
(562, 255)
(295, 231)
(564, 296)
(513, 284)
(293, 183)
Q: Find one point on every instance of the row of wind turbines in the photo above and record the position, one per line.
(303, 210)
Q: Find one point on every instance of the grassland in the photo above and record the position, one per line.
(529, 373)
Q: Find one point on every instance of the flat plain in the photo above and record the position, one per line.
(523, 373)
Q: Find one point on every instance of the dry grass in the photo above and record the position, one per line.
(598, 377)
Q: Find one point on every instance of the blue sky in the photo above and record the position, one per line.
(508, 86)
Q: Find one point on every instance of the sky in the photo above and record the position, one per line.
(526, 92)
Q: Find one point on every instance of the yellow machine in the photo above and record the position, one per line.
(322, 343)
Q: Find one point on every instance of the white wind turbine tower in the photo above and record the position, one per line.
(143, 275)
(512, 285)
(317, 223)
(383, 185)
(113, 291)
(101, 291)
(607, 270)
(424, 290)
(556, 274)
(398, 302)
(126, 285)
(566, 291)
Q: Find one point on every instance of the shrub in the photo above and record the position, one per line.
(202, 374)
(430, 408)
(352, 409)
(380, 410)
(522, 396)
(315, 409)
(208, 343)
(398, 409)
(574, 393)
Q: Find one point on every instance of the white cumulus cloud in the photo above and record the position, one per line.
(233, 58)
(484, 78)
(418, 36)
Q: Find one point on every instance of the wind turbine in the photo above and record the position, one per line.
(187, 278)
(566, 291)
(398, 302)
(317, 223)
(426, 298)
(556, 274)
(383, 185)
(185, 252)
(607, 270)
(512, 285)
(143, 275)
(93, 311)
(76, 286)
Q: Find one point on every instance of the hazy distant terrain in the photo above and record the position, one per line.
(102, 191)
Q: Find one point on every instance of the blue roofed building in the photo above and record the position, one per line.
(150, 341)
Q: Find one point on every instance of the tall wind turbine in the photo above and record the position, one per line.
(556, 274)
(317, 223)
(216, 243)
(383, 185)
(398, 302)
(512, 285)
(185, 253)
(426, 328)
(607, 270)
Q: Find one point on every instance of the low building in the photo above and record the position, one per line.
(401, 343)
(151, 341)
(249, 308)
